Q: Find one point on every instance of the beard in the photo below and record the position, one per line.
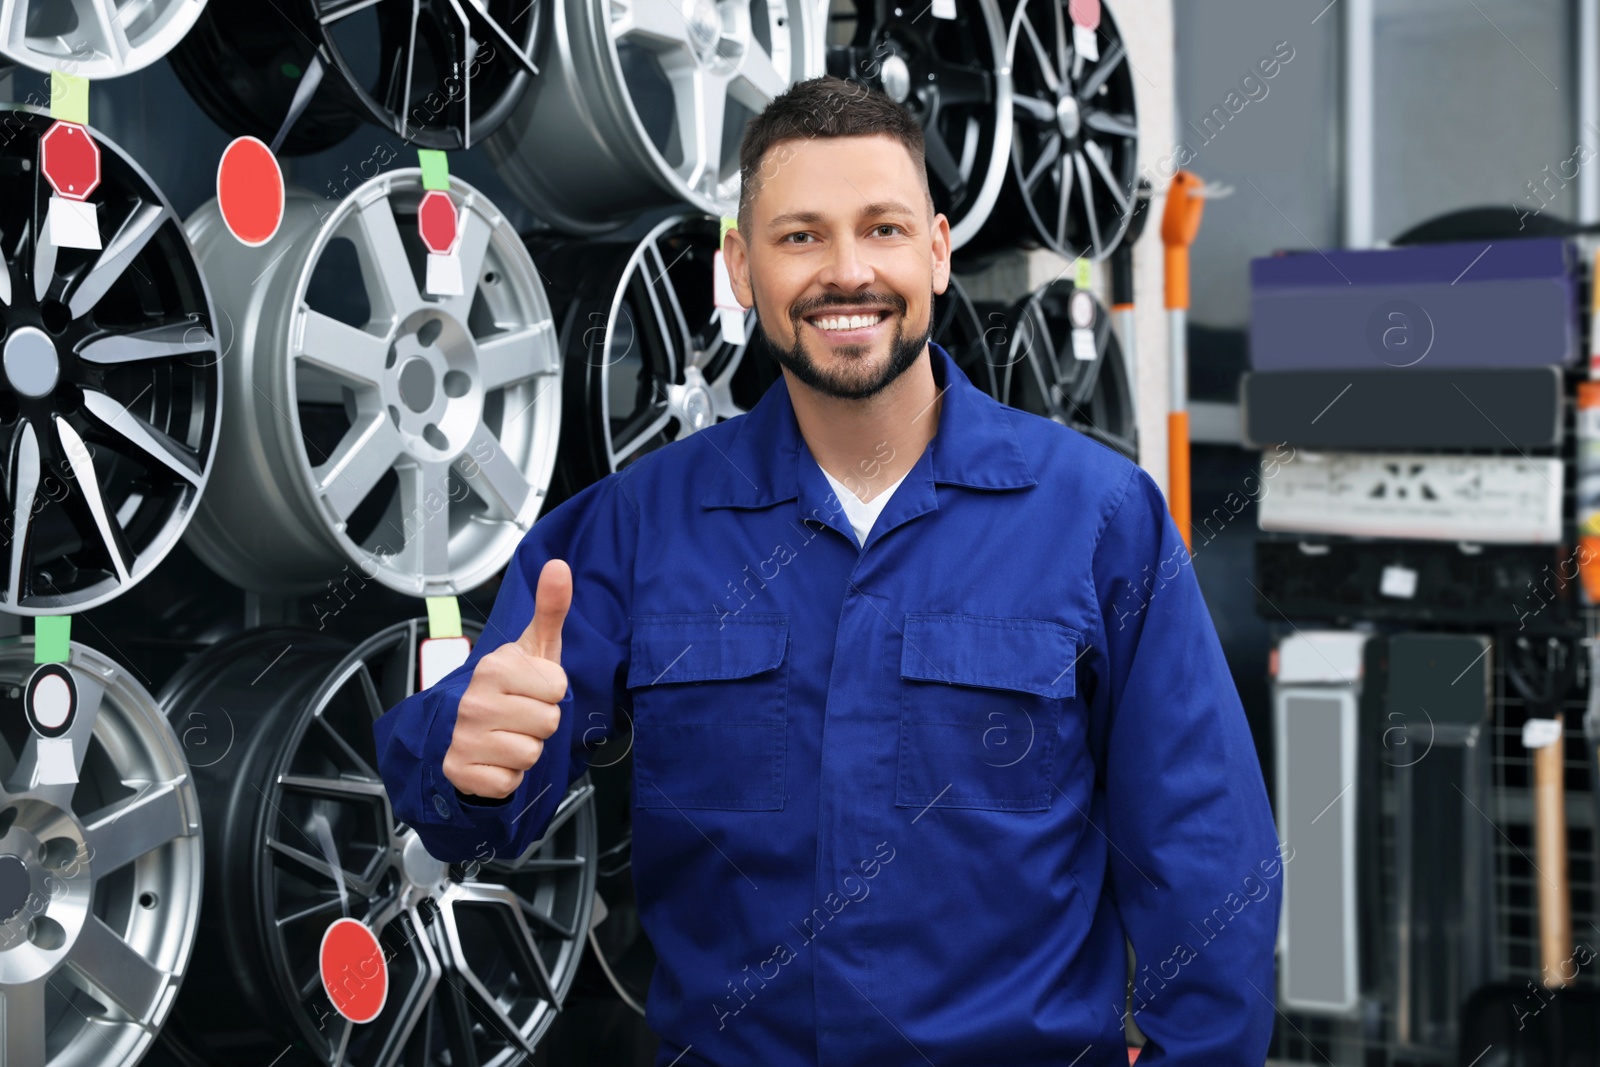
(864, 382)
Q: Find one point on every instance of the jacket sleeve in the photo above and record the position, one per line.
(1195, 868)
(596, 533)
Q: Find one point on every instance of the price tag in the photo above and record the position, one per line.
(51, 705)
(1541, 733)
(445, 648)
(1086, 43)
(1083, 345)
(944, 9)
(1398, 581)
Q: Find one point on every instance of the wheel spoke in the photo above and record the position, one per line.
(44, 262)
(1106, 122)
(365, 454)
(1088, 204)
(650, 22)
(312, 911)
(351, 353)
(149, 442)
(962, 85)
(123, 834)
(1051, 153)
(1064, 184)
(316, 864)
(494, 477)
(157, 342)
(83, 473)
(331, 11)
(946, 171)
(1033, 107)
(666, 307)
(425, 503)
(385, 267)
(108, 965)
(1097, 157)
(1103, 70)
(649, 423)
(24, 491)
(363, 678)
(758, 81)
(503, 38)
(510, 356)
(112, 35)
(22, 1024)
(338, 788)
(701, 100)
(141, 225)
(1047, 66)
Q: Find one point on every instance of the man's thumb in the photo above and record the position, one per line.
(550, 603)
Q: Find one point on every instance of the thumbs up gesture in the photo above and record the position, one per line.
(511, 704)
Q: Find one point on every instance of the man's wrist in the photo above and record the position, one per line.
(488, 802)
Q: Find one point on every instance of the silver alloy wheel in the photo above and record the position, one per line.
(93, 38)
(110, 392)
(646, 362)
(1074, 146)
(480, 954)
(409, 436)
(100, 880)
(644, 102)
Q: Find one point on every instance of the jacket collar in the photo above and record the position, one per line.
(975, 445)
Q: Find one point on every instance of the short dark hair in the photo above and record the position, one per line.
(823, 107)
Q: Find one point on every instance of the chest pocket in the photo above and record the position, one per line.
(981, 703)
(710, 710)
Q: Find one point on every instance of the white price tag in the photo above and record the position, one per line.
(1540, 733)
(438, 656)
(444, 274)
(1086, 43)
(1398, 581)
(1083, 345)
(55, 766)
(944, 9)
(732, 323)
(72, 223)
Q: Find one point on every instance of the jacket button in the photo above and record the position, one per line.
(440, 806)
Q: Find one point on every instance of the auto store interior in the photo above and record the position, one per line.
(1323, 268)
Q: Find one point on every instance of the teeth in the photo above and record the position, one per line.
(847, 322)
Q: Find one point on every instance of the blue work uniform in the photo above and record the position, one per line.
(902, 801)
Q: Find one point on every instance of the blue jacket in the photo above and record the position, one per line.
(899, 802)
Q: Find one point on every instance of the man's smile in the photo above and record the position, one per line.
(849, 327)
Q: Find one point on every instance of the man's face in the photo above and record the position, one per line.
(842, 261)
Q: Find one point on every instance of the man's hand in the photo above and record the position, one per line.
(511, 705)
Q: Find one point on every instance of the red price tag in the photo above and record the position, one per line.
(354, 972)
(1085, 13)
(438, 223)
(70, 160)
(250, 191)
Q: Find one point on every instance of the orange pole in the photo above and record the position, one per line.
(1180, 224)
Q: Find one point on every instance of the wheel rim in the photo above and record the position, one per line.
(647, 100)
(953, 76)
(443, 73)
(109, 390)
(1074, 150)
(657, 369)
(480, 955)
(87, 974)
(407, 436)
(1043, 375)
(93, 38)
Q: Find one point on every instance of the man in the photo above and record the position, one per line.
(915, 757)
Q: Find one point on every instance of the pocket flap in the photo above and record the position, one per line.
(1029, 655)
(704, 647)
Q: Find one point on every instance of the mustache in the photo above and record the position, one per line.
(824, 303)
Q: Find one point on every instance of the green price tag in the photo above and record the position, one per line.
(728, 223)
(435, 168)
(69, 97)
(444, 616)
(1084, 278)
(52, 638)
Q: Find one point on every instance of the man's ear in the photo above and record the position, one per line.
(941, 253)
(737, 256)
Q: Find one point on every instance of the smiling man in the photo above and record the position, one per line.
(928, 719)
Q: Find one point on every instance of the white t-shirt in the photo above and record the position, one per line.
(861, 515)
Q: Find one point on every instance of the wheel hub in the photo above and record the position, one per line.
(1068, 116)
(426, 874)
(896, 78)
(31, 364)
(705, 28)
(696, 402)
(432, 389)
(45, 890)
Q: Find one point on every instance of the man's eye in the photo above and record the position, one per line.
(791, 238)
(887, 226)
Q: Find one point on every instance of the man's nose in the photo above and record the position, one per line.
(847, 268)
